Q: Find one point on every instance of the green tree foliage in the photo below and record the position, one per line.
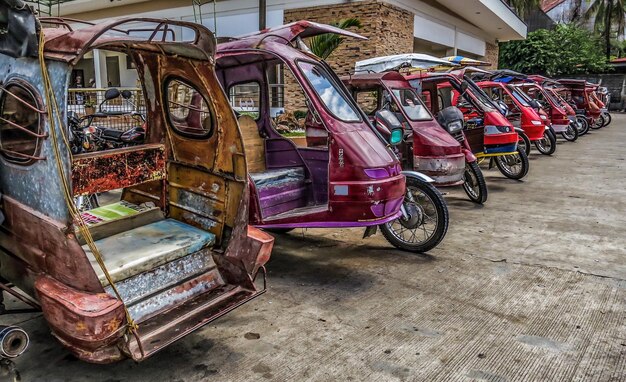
(567, 49)
(323, 45)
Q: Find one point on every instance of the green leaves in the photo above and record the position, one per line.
(323, 45)
(567, 49)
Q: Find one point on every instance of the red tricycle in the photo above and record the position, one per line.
(580, 94)
(320, 162)
(520, 112)
(487, 133)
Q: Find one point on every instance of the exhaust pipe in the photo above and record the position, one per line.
(13, 341)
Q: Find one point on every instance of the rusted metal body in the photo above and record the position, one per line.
(197, 184)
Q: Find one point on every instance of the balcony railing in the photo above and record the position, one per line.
(85, 101)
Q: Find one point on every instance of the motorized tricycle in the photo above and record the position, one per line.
(486, 132)
(521, 113)
(553, 114)
(172, 250)
(576, 116)
(341, 172)
(579, 94)
(604, 98)
(427, 146)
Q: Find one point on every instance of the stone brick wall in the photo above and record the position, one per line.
(492, 53)
(389, 30)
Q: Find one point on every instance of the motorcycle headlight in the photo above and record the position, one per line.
(454, 127)
(536, 123)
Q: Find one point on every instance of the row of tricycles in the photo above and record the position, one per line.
(183, 239)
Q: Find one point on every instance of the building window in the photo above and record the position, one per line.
(188, 110)
(20, 125)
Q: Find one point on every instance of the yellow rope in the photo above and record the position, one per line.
(53, 109)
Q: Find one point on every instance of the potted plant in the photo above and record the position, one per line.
(90, 106)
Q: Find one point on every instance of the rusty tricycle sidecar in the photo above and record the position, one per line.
(342, 172)
(173, 250)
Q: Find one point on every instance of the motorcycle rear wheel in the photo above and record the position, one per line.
(584, 125)
(427, 218)
(571, 134)
(607, 119)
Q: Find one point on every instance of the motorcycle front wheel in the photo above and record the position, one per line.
(547, 144)
(513, 166)
(474, 183)
(426, 221)
(524, 142)
(571, 133)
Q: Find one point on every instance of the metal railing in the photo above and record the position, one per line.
(85, 101)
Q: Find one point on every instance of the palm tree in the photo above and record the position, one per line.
(523, 6)
(608, 17)
(323, 45)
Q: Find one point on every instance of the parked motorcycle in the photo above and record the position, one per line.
(87, 137)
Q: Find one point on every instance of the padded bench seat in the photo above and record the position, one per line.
(278, 178)
(143, 248)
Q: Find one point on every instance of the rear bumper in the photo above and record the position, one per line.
(446, 171)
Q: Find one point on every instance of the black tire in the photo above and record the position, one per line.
(599, 123)
(505, 164)
(584, 129)
(278, 230)
(524, 141)
(571, 134)
(474, 183)
(425, 205)
(607, 119)
(547, 145)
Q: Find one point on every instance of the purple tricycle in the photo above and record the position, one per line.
(320, 163)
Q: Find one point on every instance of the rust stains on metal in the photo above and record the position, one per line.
(113, 169)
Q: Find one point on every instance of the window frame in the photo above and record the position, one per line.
(166, 83)
(261, 101)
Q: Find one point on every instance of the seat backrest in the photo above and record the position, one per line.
(253, 143)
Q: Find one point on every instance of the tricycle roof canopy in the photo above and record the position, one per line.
(63, 43)
(303, 29)
(400, 61)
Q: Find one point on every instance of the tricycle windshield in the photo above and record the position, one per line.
(412, 105)
(480, 97)
(333, 98)
(519, 96)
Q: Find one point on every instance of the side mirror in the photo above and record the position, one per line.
(392, 124)
(111, 93)
(503, 108)
(126, 94)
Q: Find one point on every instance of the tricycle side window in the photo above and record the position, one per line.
(20, 124)
(187, 109)
(333, 98)
(245, 99)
